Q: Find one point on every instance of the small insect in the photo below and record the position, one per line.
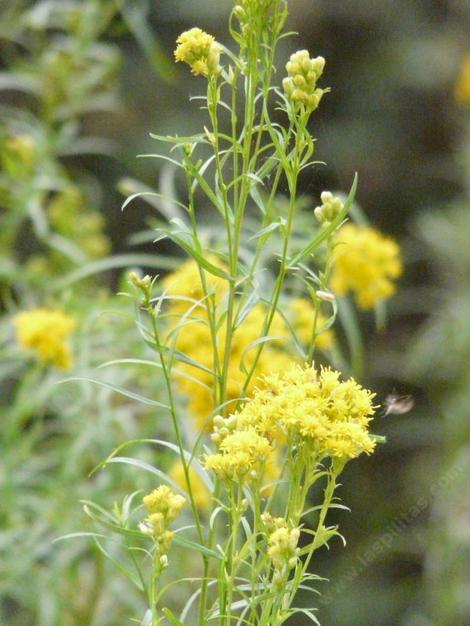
(397, 405)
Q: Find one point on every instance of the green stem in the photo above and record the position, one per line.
(167, 376)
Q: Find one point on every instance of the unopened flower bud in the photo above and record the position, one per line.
(330, 209)
(326, 296)
(300, 83)
(218, 421)
(326, 196)
(239, 13)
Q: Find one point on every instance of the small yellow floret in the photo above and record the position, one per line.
(199, 50)
(164, 503)
(46, 331)
(366, 263)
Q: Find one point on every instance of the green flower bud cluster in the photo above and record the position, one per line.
(144, 283)
(245, 9)
(282, 547)
(330, 208)
(223, 427)
(301, 83)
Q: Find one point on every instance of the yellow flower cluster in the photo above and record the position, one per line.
(301, 83)
(365, 262)
(302, 316)
(242, 455)
(316, 407)
(200, 51)
(282, 546)
(163, 506)
(194, 339)
(199, 490)
(462, 86)
(46, 331)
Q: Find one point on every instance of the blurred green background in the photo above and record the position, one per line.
(399, 115)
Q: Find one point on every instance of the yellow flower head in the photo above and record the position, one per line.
(302, 315)
(462, 86)
(241, 453)
(199, 50)
(199, 490)
(366, 263)
(315, 407)
(46, 331)
(164, 504)
(300, 84)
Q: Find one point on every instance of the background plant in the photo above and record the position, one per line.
(60, 73)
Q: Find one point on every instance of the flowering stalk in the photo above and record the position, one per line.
(235, 347)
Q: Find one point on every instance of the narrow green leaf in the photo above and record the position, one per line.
(171, 617)
(157, 261)
(143, 465)
(192, 545)
(77, 535)
(180, 140)
(117, 389)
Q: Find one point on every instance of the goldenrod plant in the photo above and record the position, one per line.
(263, 423)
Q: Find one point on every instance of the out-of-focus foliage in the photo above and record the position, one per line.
(441, 361)
(59, 72)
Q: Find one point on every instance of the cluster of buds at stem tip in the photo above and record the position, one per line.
(282, 546)
(301, 83)
(245, 9)
(163, 506)
(200, 51)
(142, 283)
(330, 208)
(223, 426)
